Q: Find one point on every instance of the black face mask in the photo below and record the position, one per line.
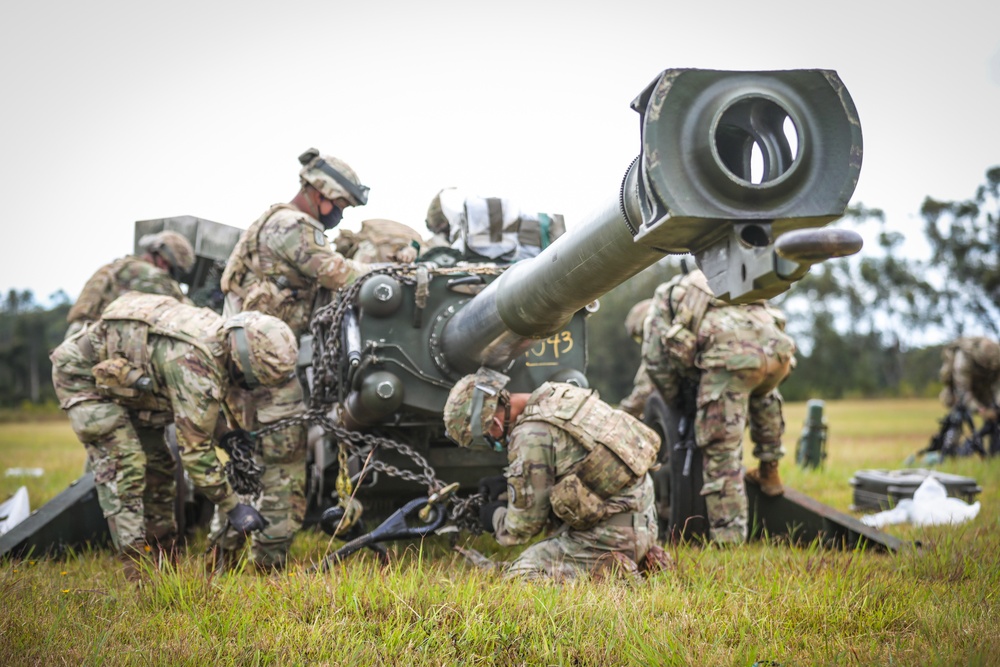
(331, 219)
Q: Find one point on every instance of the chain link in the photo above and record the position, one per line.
(326, 330)
(243, 471)
(464, 513)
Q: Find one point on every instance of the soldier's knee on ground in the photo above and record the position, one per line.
(614, 565)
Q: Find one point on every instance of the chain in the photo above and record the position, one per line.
(326, 327)
(464, 513)
(243, 472)
(353, 441)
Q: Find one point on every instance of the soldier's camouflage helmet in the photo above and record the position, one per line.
(263, 348)
(333, 177)
(476, 397)
(436, 220)
(172, 247)
(635, 319)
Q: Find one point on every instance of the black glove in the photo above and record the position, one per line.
(492, 487)
(486, 513)
(245, 519)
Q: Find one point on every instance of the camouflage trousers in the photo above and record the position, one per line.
(720, 423)
(282, 454)
(573, 553)
(134, 472)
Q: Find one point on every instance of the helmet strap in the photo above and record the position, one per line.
(243, 350)
(358, 192)
(504, 399)
(479, 438)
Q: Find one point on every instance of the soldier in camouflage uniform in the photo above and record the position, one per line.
(379, 241)
(166, 257)
(970, 370)
(278, 267)
(570, 455)
(150, 361)
(642, 385)
(735, 356)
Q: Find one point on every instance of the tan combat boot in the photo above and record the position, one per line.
(135, 563)
(767, 477)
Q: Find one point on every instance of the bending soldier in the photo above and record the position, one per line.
(642, 385)
(147, 362)
(734, 356)
(379, 241)
(278, 267)
(570, 454)
(970, 370)
(166, 257)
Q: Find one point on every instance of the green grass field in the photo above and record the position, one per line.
(756, 603)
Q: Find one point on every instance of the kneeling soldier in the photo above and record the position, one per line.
(149, 361)
(571, 455)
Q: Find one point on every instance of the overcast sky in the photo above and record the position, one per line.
(119, 111)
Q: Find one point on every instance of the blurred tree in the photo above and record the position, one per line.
(28, 332)
(965, 249)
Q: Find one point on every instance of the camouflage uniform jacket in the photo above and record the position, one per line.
(179, 350)
(112, 280)
(970, 372)
(280, 263)
(689, 331)
(539, 455)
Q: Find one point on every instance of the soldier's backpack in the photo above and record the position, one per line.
(377, 241)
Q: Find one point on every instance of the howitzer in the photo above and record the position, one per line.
(405, 338)
(741, 169)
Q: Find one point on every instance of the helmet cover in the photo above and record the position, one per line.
(474, 396)
(171, 246)
(333, 177)
(263, 348)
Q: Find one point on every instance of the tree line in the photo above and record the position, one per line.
(867, 326)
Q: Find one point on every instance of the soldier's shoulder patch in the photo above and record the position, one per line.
(319, 237)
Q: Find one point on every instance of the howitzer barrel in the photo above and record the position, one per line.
(729, 162)
(535, 298)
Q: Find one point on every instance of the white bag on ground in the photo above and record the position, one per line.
(15, 510)
(930, 506)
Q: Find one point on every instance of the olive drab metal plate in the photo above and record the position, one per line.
(212, 242)
(406, 341)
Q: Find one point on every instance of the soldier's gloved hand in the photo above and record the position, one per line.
(245, 518)
(492, 487)
(406, 254)
(486, 513)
